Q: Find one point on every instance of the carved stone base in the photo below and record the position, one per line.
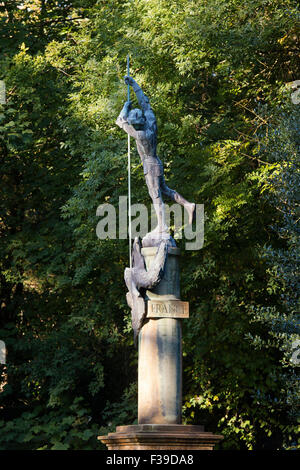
(160, 437)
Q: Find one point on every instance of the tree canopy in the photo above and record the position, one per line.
(217, 73)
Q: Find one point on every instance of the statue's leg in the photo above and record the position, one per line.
(153, 184)
(175, 196)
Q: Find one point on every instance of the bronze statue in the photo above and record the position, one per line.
(138, 280)
(141, 125)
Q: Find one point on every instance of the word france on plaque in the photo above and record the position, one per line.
(167, 308)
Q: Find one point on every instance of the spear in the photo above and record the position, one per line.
(129, 176)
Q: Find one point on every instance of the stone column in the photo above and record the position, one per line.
(160, 373)
(160, 365)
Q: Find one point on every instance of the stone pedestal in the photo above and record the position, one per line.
(160, 437)
(169, 286)
(159, 369)
(160, 372)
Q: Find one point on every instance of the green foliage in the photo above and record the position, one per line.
(67, 428)
(210, 68)
(123, 411)
(281, 143)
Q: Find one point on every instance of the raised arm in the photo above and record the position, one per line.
(143, 101)
(141, 97)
